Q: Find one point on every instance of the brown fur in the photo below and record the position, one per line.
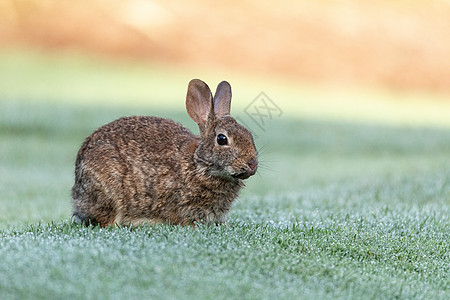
(148, 169)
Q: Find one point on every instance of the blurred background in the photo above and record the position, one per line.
(395, 44)
(346, 79)
(332, 58)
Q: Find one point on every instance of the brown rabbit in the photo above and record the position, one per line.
(147, 169)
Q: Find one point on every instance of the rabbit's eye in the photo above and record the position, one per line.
(222, 140)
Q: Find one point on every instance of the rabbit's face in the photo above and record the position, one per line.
(229, 149)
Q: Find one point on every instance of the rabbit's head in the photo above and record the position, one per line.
(226, 148)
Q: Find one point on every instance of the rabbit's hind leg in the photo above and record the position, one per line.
(82, 219)
(91, 206)
(94, 208)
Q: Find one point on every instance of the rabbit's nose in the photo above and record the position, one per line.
(252, 164)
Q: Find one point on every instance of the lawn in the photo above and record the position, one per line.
(350, 201)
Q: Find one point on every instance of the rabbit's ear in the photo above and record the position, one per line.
(222, 99)
(198, 101)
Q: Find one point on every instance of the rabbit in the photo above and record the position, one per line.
(144, 169)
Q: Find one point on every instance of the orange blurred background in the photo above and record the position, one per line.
(396, 44)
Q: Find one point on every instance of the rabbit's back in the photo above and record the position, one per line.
(120, 169)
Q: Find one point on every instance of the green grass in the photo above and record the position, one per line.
(343, 208)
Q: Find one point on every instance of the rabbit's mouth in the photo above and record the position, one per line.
(249, 170)
(234, 175)
(241, 172)
(242, 175)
